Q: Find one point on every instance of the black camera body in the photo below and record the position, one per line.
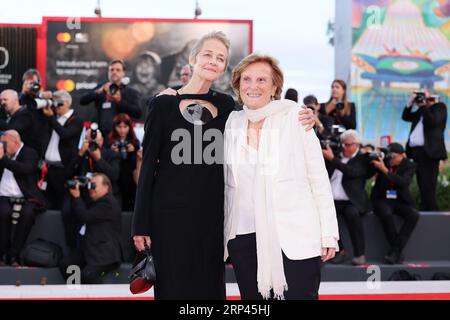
(333, 139)
(35, 87)
(340, 106)
(113, 88)
(122, 146)
(94, 131)
(82, 181)
(3, 144)
(420, 96)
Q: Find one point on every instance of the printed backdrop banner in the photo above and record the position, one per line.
(398, 46)
(78, 52)
(17, 54)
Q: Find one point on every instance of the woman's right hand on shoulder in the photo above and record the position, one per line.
(139, 242)
(168, 92)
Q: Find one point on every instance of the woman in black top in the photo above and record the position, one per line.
(122, 139)
(341, 110)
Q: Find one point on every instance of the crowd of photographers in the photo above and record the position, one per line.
(50, 159)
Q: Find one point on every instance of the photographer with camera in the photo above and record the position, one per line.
(342, 111)
(348, 172)
(100, 251)
(61, 145)
(113, 97)
(92, 157)
(13, 116)
(323, 122)
(32, 90)
(123, 140)
(426, 143)
(390, 195)
(20, 198)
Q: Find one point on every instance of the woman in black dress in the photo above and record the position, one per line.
(179, 201)
(338, 107)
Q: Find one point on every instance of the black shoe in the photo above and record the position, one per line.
(3, 260)
(394, 257)
(14, 262)
(340, 258)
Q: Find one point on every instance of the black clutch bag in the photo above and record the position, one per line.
(142, 275)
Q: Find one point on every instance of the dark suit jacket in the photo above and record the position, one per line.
(22, 122)
(349, 122)
(355, 173)
(69, 137)
(129, 104)
(434, 122)
(399, 181)
(101, 243)
(25, 171)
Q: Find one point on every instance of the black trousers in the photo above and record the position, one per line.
(302, 276)
(70, 220)
(89, 274)
(427, 173)
(352, 218)
(12, 244)
(55, 191)
(385, 210)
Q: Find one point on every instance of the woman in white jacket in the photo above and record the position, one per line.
(280, 220)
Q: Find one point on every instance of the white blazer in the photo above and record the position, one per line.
(301, 192)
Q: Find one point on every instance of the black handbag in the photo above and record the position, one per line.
(41, 253)
(142, 275)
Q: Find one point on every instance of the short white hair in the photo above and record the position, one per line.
(353, 134)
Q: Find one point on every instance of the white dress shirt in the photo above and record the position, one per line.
(8, 184)
(336, 181)
(417, 138)
(52, 153)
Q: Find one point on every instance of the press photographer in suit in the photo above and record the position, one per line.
(100, 250)
(426, 144)
(391, 195)
(113, 97)
(20, 198)
(348, 172)
(13, 116)
(61, 145)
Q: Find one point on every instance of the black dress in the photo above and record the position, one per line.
(181, 205)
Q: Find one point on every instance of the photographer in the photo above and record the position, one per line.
(61, 145)
(20, 198)
(113, 97)
(100, 250)
(123, 140)
(348, 172)
(31, 90)
(323, 122)
(92, 157)
(426, 143)
(342, 111)
(391, 195)
(15, 117)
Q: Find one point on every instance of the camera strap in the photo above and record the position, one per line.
(42, 183)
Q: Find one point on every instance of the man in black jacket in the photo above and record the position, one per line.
(348, 173)
(113, 97)
(20, 197)
(61, 147)
(15, 116)
(426, 144)
(391, 195)
(92, 157)
(100, 250)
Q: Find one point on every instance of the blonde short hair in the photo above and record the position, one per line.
(277, 74)
(214, 35)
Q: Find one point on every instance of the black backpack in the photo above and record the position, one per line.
(41, 253)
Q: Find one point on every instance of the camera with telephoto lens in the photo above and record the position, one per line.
(43, 103)
(113, 88)
(94, 132)
(382, 153)
(420, 96)
(82, 181)
(333, 139)
(122, 146)
(3, 145)
(35, 87)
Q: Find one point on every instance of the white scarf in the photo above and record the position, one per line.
(268, 250)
